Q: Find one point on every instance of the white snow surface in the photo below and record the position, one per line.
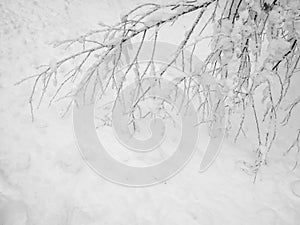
(43, 179)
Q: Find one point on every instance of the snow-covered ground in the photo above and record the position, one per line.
(43, 179)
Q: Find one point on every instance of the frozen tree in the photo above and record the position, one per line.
(254, 56)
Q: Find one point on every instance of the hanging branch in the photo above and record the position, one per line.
(236, 69)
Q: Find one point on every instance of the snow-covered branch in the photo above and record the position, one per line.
(254, 48)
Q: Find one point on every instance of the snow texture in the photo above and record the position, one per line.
(43, 179)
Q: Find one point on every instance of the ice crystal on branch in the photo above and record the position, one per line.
(254, 50)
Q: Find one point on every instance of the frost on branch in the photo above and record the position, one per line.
(254, 50)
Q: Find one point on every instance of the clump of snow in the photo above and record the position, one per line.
(158, 16)
(277, 48)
